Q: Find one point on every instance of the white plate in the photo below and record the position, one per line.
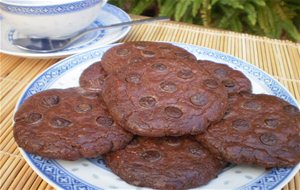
(92, 173)
(108, 15)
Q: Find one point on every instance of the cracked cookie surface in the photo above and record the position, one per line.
(67, 124)
(164, 97)
(134, 53)
(92, 78)
(164, 163)
(257, 129)
(233, 80)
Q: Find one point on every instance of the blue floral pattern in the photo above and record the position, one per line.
(63, 179)
(48, 10)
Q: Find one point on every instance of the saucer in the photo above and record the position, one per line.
(108, 15)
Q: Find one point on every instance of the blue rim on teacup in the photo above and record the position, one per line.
(26, 8)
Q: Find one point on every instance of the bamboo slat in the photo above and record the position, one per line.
(281, 59)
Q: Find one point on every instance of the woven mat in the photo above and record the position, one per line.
(281, 59)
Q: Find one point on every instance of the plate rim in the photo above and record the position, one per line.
(62, 54)
(281, 184)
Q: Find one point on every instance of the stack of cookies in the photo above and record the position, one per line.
(160, 118)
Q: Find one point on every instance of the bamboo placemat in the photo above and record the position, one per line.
(281, 59)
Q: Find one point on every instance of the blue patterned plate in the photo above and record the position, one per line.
(108, 15)
(90, 174)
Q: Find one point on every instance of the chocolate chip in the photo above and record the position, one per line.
(147, 102)
(173, 112)
(135, 60)
(240, 124)
(147, 53)
(90, 95)
(185, 74)
(220, 72)
(123, 52)
(133, 78)
(186, 56)
(182, 55)
(172, 141)
(197, 151)
(168, 86)
(232, 98)
(33, 118)
(291, 109)
(251, 105)
(59, 122)
(105, 121)
(247, 95)
(199, 99)
(271, 122)
(140, 45)
(227, 113)
(82, 108)
(50, 101)
(151, 155)
(211, 83)
(159, 67)
(228, 83)
(268, 139)
(87, 94)
(97, 82)
(137, 124)
(165, 48)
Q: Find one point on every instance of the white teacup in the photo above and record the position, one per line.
(52, 18)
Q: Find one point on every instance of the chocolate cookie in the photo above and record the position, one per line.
(92, 78)
(233, 80)
(257, 129)
(164, 98)
(138, 52)
(67, 124)
(164, 163)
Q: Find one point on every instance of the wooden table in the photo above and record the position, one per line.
(281, 59)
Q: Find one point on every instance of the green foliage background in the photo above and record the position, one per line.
(272, 18)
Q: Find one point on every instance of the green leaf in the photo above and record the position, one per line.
(261, 3)
(214, 2)
(188, 15)
(236, 25)
(262, 21)
(284, 12)
(159, 3)
(181, 8)
(291, 30)
(167, 8)
(280, 12)
(227, 19)
(196, 7)
(296, 21)
(232, 3)
(268, 22)
(284, 18)
(273, 18)
(114, 2)
(251, 13)
(141, 6)
(294, 2)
